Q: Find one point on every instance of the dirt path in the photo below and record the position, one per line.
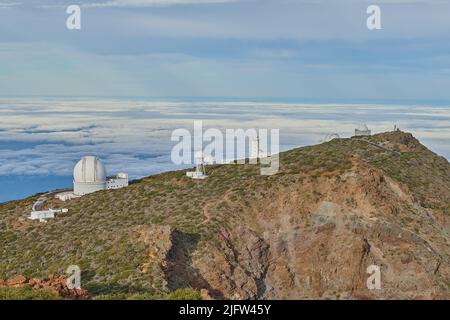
(40, 201)
(206, 207)
(394, 153)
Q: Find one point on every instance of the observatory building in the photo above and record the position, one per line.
(118, 181)
(89, 175)
(200, 172)
(329, 137)
(362, 131)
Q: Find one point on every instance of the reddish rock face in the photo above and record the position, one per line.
(34, 281)
(52, 283)
(16, 281)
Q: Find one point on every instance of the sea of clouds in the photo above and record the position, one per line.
(48, 136)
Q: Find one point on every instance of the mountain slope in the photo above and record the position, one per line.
(310, 231)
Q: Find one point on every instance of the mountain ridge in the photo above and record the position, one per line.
(308, 232)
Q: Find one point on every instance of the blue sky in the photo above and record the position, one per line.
(241, 48)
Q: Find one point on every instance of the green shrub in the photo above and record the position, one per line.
(27, 293)
(184, 294)
(180, 294)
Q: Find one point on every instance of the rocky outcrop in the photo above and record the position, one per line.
(56, 284)
(16, 281)
(322, 248)
(240, 264)
(402, 141)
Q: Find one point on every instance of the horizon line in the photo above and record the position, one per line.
(434, 102)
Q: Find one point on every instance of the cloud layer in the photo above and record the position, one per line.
(48, 136)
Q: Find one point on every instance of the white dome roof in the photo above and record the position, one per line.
(330, 137)
(362, 127)
(89, 169)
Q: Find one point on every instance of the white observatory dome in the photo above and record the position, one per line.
(89, 175)
(89, 169)
(362, 127)
(362, 130)
(330, 137)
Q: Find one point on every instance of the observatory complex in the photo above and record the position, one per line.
(360, 131)
(89, 175)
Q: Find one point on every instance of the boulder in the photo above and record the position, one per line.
(17, 281)
(204, 293)
(57, 284)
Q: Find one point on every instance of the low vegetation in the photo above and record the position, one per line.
(27, 293)
(98, 234)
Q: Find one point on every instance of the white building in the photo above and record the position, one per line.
(89, 175)
(200, 172)
(43, 215)
(197, 174)
(362, 131)
(118, 181)
(65, 196)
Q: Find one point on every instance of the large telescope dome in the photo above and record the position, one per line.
(89, 169)
(89, 175)
(362, 127)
